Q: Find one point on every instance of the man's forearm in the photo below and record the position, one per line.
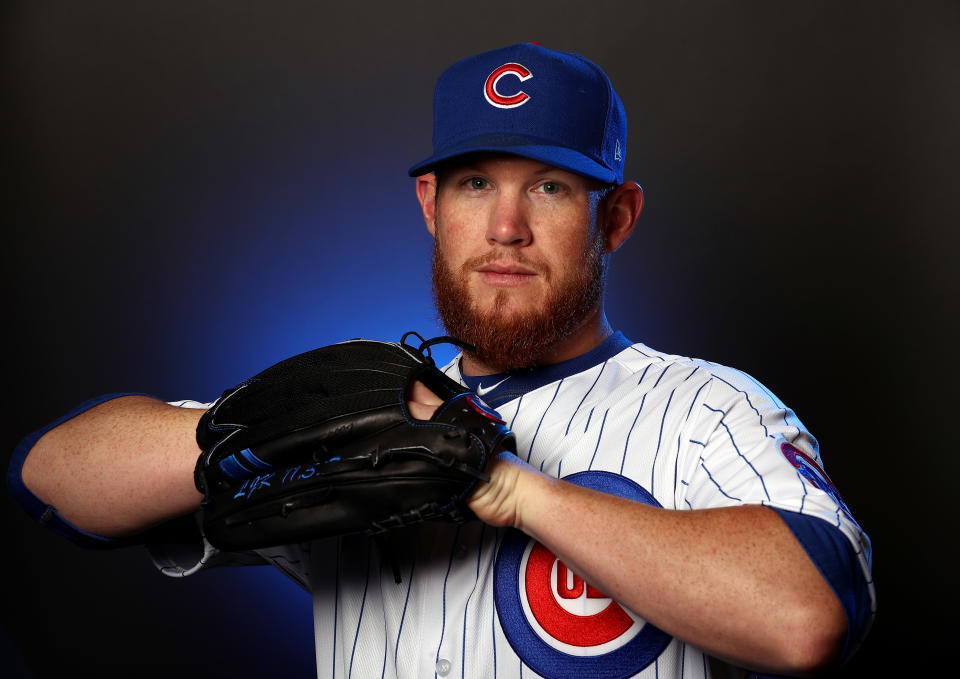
(119, 468)
(733, 581)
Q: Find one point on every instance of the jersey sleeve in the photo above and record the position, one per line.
(747, 447)
(179, 549)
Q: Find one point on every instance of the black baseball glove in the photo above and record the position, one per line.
(323, 444)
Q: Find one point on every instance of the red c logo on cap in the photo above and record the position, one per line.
(494, 98)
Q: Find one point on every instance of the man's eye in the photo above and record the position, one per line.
(477, 183)
(550, 187)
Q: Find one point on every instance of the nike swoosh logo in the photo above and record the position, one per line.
(482, 392)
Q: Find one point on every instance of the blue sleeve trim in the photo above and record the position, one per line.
(834, 557)
(46, 514)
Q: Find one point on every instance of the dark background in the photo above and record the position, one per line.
(194, 191)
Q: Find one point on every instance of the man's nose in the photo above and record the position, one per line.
(509, 223)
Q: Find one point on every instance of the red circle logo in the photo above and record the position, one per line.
(567, 609)
(556, 622)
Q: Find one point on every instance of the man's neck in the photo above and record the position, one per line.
(592, 332)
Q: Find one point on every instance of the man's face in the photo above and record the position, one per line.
(518, 260)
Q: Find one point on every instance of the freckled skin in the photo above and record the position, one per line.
(120, 467)
(517, 209)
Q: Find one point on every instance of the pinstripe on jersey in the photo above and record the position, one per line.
(692, 433)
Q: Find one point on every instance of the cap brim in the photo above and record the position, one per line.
(557, 156)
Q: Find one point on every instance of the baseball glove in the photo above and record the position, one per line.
(323, 444)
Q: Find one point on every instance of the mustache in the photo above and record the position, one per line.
(500, 255)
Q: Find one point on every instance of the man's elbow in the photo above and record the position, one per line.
(813, 642)
(38, 468)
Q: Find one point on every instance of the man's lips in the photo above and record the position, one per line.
(505, 274)
(506, 267)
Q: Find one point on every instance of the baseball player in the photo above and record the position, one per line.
(659, 516)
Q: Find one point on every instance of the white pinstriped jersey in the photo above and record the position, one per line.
(690, 433)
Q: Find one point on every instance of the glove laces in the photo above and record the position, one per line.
(424, 348)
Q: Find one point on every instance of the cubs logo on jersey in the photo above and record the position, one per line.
(557, 623)
(813, 473)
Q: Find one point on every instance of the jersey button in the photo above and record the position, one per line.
(443, 667)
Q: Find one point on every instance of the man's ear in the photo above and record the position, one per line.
(427, 195)
(621, 210)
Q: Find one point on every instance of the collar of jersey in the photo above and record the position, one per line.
(514, 384)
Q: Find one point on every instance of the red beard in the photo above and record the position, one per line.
(509, 340)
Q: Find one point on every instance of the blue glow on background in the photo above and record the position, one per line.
(340, 265)
(290, 276)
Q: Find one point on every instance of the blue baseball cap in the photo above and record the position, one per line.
(527, 100)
